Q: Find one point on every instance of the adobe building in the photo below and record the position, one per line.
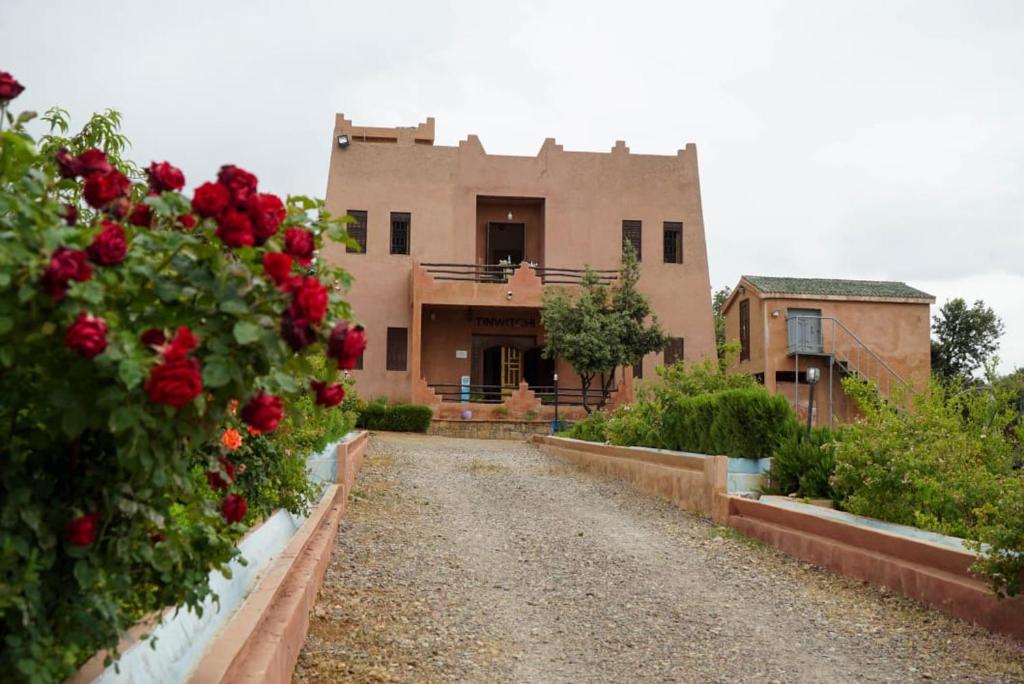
(458, 245)
(877, 330)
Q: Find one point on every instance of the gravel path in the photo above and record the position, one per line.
(490, 561)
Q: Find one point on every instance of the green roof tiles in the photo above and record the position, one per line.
(831, 287)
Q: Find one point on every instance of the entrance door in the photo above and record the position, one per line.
(511, 367)
(804, 330)
(506, 242)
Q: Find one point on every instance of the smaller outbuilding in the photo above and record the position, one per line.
(791, 330)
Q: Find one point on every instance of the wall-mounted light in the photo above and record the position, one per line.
(509, 214)
(508, 295)
(343, 141)
(775, 313)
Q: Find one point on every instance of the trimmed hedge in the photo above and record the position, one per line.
(743, 422)
(396, 418)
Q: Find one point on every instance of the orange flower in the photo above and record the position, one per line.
(233, 407)
(232, 439)
(254, 431)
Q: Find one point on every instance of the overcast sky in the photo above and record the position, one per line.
(858, 139)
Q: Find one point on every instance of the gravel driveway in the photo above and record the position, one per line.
(490, 561)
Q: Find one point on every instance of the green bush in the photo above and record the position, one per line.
(396, 418)
(740, 422)
(947, 466)
(804, 466)
(636, 424)
(593, 428)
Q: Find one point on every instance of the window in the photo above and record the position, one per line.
(357, 231)
(631, 234)
(745, 330)
(398, 343)
(400, 223)
(638, 371)
(674, 350)
(359, 362)
(673, 237)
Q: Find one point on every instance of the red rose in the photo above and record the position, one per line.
(300, 244)
(187, 221)
(67, 164)
(183, 342)
(266, 213)
(278, 267)
(81, 531)
(346, 345)
(210, 200)
(119, 208)
(234, 508)
(263, 412)
(142, 215)
(9, 87)
(103, 188)
(70, 214)
(240, 184)
(297, 332)
(93, 161)
(87, 335)
(309, 300)
(221, 478)
(109, 247)
(234, 229)
(153, 337)
(328, 395)
(175, 382)
(65, 265)
(163, 176)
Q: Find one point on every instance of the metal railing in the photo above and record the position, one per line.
(500, 273)
(818, 336)
(496, 394)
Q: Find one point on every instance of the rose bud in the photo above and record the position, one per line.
(163, 177)
(210, 200)
(187, 221)
(175, 383)
(9, 87)
(153, 337)
(87, 335)
(110, 246)
(300, 244)
(234, 508)
(263, 412)
(328, 395)
(81, 531)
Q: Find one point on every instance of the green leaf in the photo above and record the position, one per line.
(216, 373)
(234, 306)
(130, 372)
(246, 332)
(6, 324)
(167, 290)
(123, 418)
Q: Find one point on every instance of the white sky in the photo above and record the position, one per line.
(855, 139)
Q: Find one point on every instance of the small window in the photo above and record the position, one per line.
(631, 232)
(638, 371)
(400, 224)
(398, 343)
(745, 330)
(674, 350)
(673, 238)
(357, 231)
(359, 362)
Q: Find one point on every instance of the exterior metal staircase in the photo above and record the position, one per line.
(846, 355)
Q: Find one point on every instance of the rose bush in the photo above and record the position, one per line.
(132, 320)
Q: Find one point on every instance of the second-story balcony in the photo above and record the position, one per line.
(499, 284)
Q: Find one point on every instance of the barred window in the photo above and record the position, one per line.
(673, 238)
(631, 231)
(745, 330)
(674, 350)
(398, 343)
(400, 225)
(357, 231)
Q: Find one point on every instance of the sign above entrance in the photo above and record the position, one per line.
(506, 322)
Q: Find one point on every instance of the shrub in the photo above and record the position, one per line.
(636, 424)
(740, 422)
(128, 326)
(803, 465)
(593, 428)
(396, 418)
(947, 466)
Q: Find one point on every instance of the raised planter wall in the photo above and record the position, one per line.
(264, 606)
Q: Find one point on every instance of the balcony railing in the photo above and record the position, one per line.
(496, 394)
(500, 273)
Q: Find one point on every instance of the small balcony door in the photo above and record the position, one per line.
(803, 331)
(506, 242)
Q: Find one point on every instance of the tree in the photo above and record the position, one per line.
(718, 300)
(604, 327)
(965, 338)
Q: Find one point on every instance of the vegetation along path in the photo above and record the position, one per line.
(490, 561)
